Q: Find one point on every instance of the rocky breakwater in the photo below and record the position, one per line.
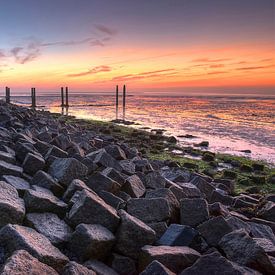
(76, 201)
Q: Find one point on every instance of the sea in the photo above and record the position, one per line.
(238, 125)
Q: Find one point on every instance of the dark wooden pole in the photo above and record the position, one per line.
(62, 97)
(34, 97)
(116, 101)
(7, 95)
(67, 96)
(124, 101)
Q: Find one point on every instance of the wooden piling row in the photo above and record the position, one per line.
(64, 102)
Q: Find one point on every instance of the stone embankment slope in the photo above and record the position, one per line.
(74, 201)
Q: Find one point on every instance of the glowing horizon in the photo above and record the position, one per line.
(176, 44)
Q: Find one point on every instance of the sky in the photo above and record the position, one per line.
(149, 45)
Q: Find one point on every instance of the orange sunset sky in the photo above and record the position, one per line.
(148, 45)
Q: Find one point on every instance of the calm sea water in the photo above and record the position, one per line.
(230, 124)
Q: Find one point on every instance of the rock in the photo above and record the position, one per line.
(134, 187)
(218, 209)
(261, 231)
(102, 158)
(37, 201)
(73, 268)
(205, 187)
(12, 209)
(111, 199)
(99, 268)
(44, 136)
(143, 165)
(75, 185)
(16, 237)
(7, 157)
(99, 182)
(22, 149)
(128, 167)
(178, 235)
(171, 199)
(123, 265)
(268, 212)
(23, 263)
(185, 190)
(62, 141)
(33, 163)
(19, 184)
(65, 170)
(175, 258)
(45, 180)
(48, 224)
(54, 151)
(159, 228)
(240, 248)
(91, 209)
(156, 267)
(10, 169)
(154, 180)
(219, 196)
(267, 245)
(132, 234)
(149, 210)
(208, 157)
(42, 147)
(115, 151)
(114, 175)
(236, 223)
(264, 222)
(175, 174)
(193, 211)
(214, 229)
(214, 263)
(91, 241)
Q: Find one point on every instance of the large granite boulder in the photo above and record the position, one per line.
(132, 234)
(193, 211)
(45, 180)
(242, 249)
(20, 184)
(51, 226)
(123, 265)
(33, 163)
(16, 237)
(12, 208)
(157, 268)
(23, 263)
(214, 229)
(91, 209)
(91, 241)
(214, 263)
(75, 185)
(134, 187)
(67, 169)
(37, 201)
(10, 169)
(100, 182)
(175, 258)
(149, 210)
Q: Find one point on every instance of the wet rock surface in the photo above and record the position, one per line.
(74, 200)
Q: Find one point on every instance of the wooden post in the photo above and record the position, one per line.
(124, 101)
(67, 96)
(7, 95)
(62, 97)
(116, 101)
(33, 97)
